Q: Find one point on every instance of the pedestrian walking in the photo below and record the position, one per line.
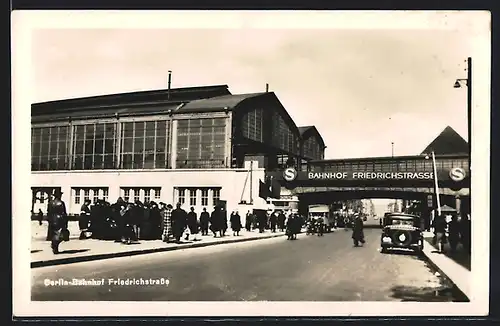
(166, 213)
(358, 234)
(235, 220)
(281, 221)
(439, 226)
(83, 221)
(192, 224)
(40, 217)
(453, 233)
(273, 221)
(179, 219)
(248, 221)
(58, 220)
(204, 221)
(216, 221)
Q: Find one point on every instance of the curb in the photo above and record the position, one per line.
(441, 272)
(70, 260)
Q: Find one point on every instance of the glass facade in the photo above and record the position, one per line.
(282, 135)
(145, 145)
(94, 146)
(252, 125)
(201, 143)
(312, 149)
(50, 148)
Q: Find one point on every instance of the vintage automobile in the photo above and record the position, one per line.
(402, 231)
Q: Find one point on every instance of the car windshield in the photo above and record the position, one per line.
(402, 222)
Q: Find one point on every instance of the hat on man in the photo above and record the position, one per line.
(57, 191)
(170, 206)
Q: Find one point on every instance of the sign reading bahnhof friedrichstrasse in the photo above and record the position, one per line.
(290, 174)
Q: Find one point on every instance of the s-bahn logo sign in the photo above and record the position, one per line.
(457, 174)
(289, 174)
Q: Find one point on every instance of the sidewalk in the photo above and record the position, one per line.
(90, 249)
(455, 269)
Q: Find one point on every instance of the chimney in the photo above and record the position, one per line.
(169, 83)
(267, 87)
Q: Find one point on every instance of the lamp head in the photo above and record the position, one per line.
(457, 84)
(426, 156)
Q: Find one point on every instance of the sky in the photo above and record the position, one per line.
(362, 88)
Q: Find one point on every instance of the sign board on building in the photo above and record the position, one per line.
(430, 202)
(290, 174)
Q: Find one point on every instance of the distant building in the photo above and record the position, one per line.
(195, 145)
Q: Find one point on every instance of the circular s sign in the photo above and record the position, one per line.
(289, 174)
(457, 174)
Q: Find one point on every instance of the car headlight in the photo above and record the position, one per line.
(386, 240)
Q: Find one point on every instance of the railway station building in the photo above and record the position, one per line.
(193, 145)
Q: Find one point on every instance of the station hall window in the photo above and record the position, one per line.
(252, 125)
(145, 144)
(50, 148)
(94, 146)
(201, 143)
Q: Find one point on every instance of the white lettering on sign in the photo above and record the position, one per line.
(393, 175)
(371, 175)
(457, 174)
(327, 175)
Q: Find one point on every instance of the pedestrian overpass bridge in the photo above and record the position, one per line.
(399, 177)
(397, 174)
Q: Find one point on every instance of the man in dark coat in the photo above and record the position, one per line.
(192, 223)
(235, 220)
(204, 220)
(179, 219)
(281, 221)
(58, 221)
(358, 234)
(262, 220)
(440, 231)
(273, 220)
(83, 221)
(216, 221)
(248, 221)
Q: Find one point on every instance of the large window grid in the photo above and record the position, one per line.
(145, 145)
(94, 146)
(282, 135)
(312, 148)
(50, 148)
(201, 143)
(252, 125)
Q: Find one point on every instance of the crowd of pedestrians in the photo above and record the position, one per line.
(127, 222)
(455, 231)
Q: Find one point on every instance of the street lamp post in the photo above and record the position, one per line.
(468, 84)
(436, 184)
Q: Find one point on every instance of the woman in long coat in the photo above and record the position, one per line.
(235, 221)
(216, 221)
